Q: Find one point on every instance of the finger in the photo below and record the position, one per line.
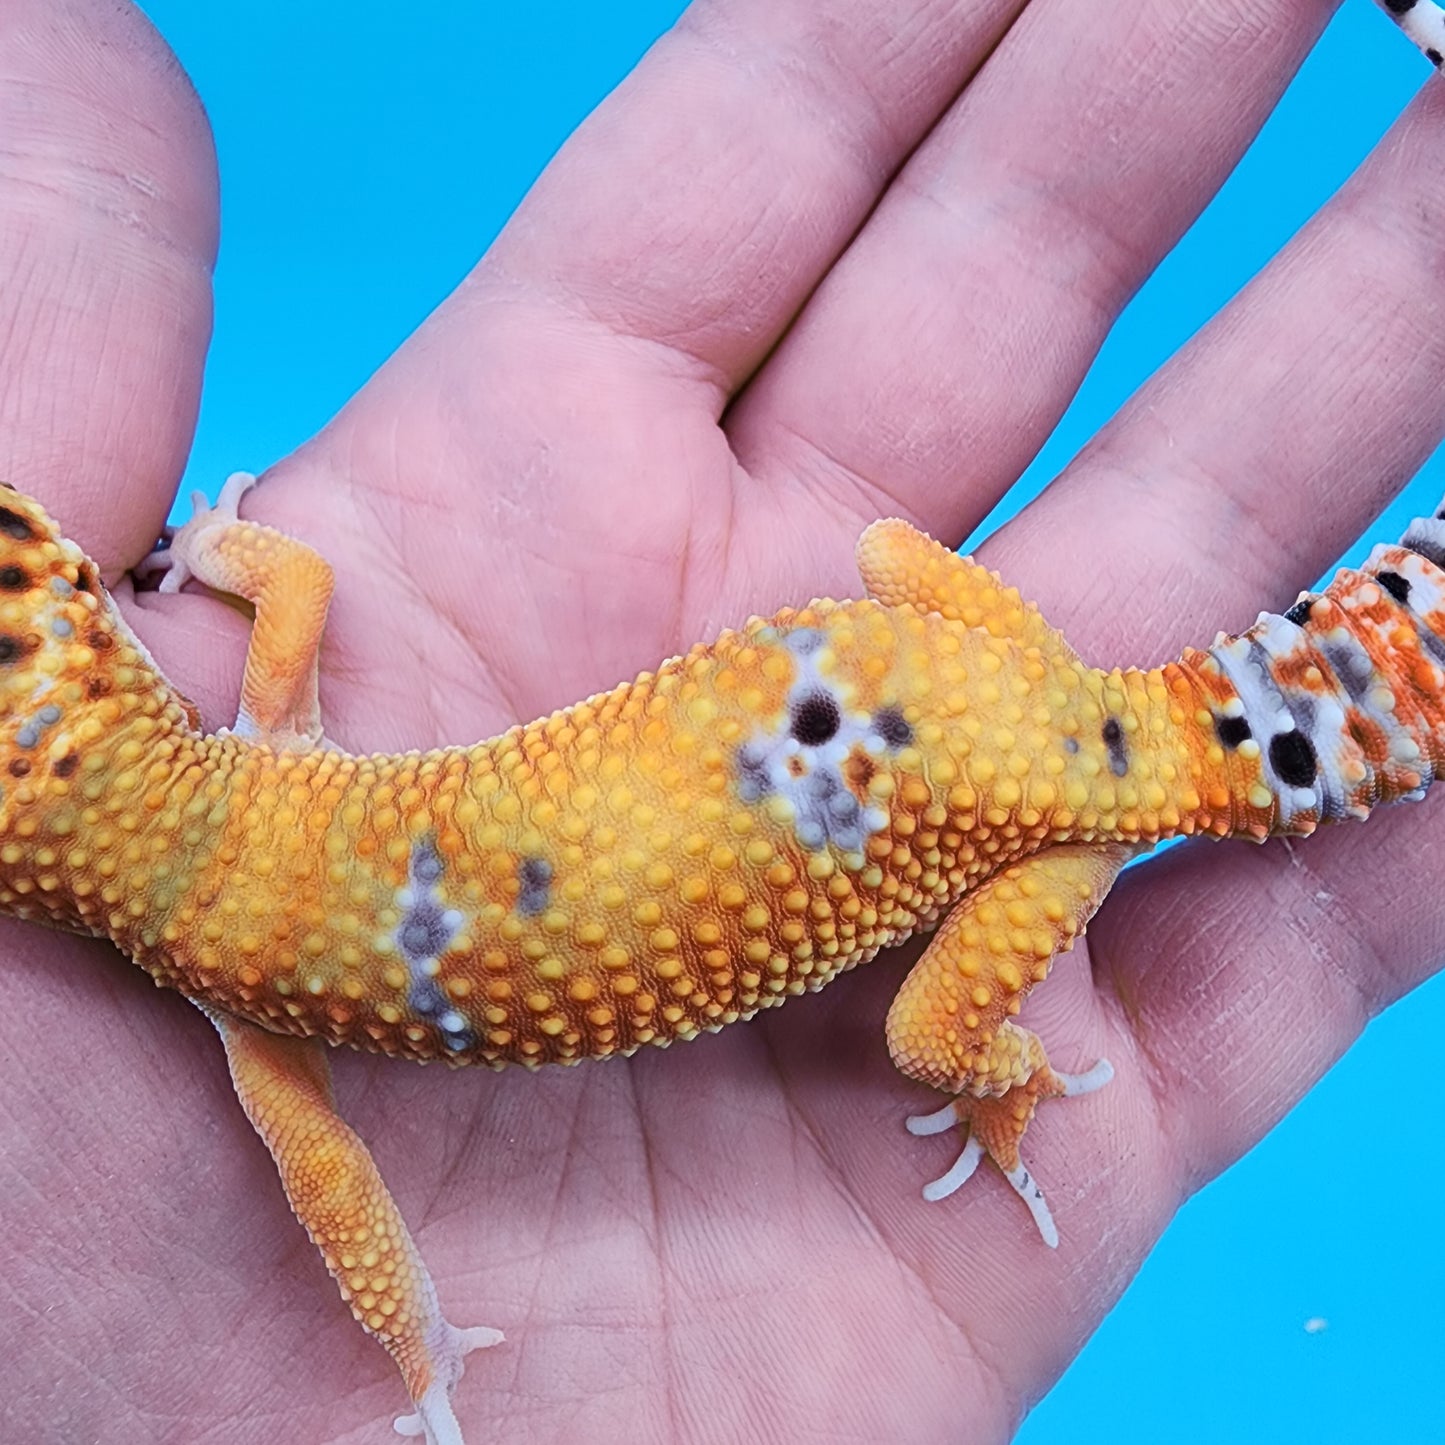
(1237, 473)
(700, 203)
(941, 350)
(1249, 972)
(107, 235)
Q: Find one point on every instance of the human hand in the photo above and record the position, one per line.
(740, 1249)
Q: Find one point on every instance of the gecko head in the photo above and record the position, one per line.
(64, 648)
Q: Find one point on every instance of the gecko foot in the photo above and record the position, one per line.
(993, 1127)
(171, 560)
(434, 1419)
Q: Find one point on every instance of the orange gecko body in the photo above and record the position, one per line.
(669, 857)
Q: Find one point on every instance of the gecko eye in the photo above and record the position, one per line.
(815, 719)
(13, 525)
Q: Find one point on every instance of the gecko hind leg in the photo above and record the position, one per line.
(952, 1023)
(899, 564)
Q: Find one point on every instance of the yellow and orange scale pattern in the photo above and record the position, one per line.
(272, 884)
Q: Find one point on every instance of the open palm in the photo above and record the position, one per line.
(812, 264)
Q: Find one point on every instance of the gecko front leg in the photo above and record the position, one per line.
(336, 1191)
(290, 587)
(283, 1082)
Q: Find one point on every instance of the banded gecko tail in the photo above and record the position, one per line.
(1423, 21)
(1338, 704)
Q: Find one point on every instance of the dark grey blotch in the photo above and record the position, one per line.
(1113, 734)
(1299, 613)
(1292, 756)
(423, 932)
(1351, 664)
(893, 727)
(1232, 731)
(803, 640)
(754, 781)
(535, 876)
(426, 864)
(1397, 586)
(1422, 538)
(1428, 640)
(425, 997)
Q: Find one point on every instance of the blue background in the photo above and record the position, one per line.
(366, 161)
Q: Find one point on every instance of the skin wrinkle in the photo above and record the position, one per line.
(1153, 1067)
(1170, 1084)
(1341, 917)
(664, 1310)
(481, 677)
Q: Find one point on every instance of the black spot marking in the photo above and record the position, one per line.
(1434, 56)
(1292, 756)
(65, 766)
(1399, 7)
(97, 687)
(893, 727)
(423, 932)
(14, 579)
(19, 767)
(10, 648)
(535, 876)
(1299, 614)
(815, 719)
(1397, 586)
(1232, 731)
(1113, 734)
(12, 524)
(99, 639)
(84, 580)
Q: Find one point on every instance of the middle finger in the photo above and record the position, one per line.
(956, 329)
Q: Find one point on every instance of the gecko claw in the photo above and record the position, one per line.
(994, 1126)
(168, 558)
(434, 1420)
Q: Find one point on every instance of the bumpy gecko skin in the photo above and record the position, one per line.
(737, 827)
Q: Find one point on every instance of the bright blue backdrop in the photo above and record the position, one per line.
(368, 154)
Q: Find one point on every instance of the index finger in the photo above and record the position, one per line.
(698, 206)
